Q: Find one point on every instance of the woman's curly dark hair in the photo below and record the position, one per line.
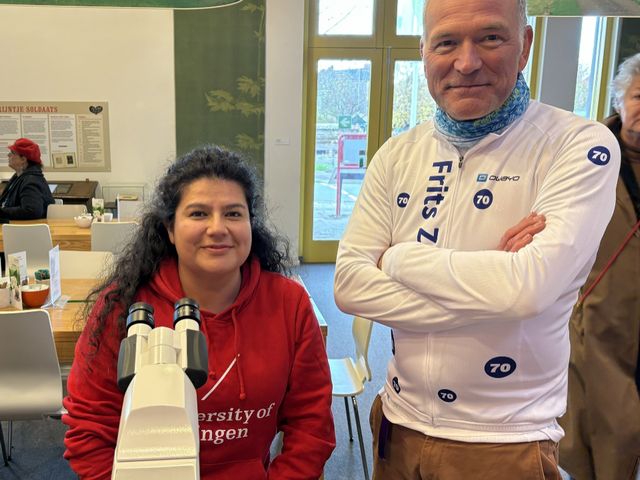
(139, 261)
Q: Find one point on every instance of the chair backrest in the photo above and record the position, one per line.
(111, 236)
(77, 264)
(30, 382)
(361, 331)
(129, 210)
(65, 210)
(34, 239)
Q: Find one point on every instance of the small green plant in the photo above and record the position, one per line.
(97, 207)
(42, 274)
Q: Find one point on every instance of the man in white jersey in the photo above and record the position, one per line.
(443, 247)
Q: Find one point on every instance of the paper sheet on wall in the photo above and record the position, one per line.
(73, 136)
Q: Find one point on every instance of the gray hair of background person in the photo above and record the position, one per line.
(627, 71)
(522, 14)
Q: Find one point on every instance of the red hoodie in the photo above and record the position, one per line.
(280, 381)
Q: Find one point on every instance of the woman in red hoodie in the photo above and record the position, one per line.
(204, 237)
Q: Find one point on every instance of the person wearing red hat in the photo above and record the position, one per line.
(27, 195)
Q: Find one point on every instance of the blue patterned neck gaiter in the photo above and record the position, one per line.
(471, 131)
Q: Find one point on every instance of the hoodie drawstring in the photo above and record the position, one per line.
(212, 348)
(243, 394)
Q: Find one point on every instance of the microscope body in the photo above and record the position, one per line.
(160, 369)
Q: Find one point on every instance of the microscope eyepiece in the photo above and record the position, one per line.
(140, 312)
(186, 308)
(195, 357)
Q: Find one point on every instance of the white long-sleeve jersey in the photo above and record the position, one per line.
(481, 345)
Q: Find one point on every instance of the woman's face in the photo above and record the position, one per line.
(17, 162)
(630, 114)
(212, 230)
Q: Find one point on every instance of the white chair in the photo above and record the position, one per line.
(76, 264)
(349, 376)
(65, 210)
(129, 210)
(111, 236)
(34, 239)
(30, 381)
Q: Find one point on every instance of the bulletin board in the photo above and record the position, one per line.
(73, 136)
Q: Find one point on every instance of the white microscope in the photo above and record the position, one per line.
(160, 369)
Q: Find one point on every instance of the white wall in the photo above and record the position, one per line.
(122, 56)
(283, 117)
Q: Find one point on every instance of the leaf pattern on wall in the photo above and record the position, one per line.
(220, 101)
(248, 143)
(250, 86)
(220, 84)
(248, 100)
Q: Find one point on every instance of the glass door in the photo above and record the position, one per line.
(340, 140)
(351, 104)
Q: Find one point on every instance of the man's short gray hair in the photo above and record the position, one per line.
(627, 72)
(522, 15)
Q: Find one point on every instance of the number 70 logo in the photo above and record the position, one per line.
(599, 155)
(500, 367)
(483, 199)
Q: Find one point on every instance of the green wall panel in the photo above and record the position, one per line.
(128, 3)
(576, 8)
(219, 65)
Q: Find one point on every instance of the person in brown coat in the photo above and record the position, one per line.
(602, 422)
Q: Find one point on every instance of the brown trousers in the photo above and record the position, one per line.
(411, 455)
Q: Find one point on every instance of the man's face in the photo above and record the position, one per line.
(472, 52)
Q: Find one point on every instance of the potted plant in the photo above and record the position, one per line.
(42, 275)
(97, 205)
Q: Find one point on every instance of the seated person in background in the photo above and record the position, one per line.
(27, 195)
(204, 236)
(603, 416)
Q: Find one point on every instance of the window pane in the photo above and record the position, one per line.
(345, 17)
(588, 59)
(409, 19)
(341, 143)
(412, 103)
